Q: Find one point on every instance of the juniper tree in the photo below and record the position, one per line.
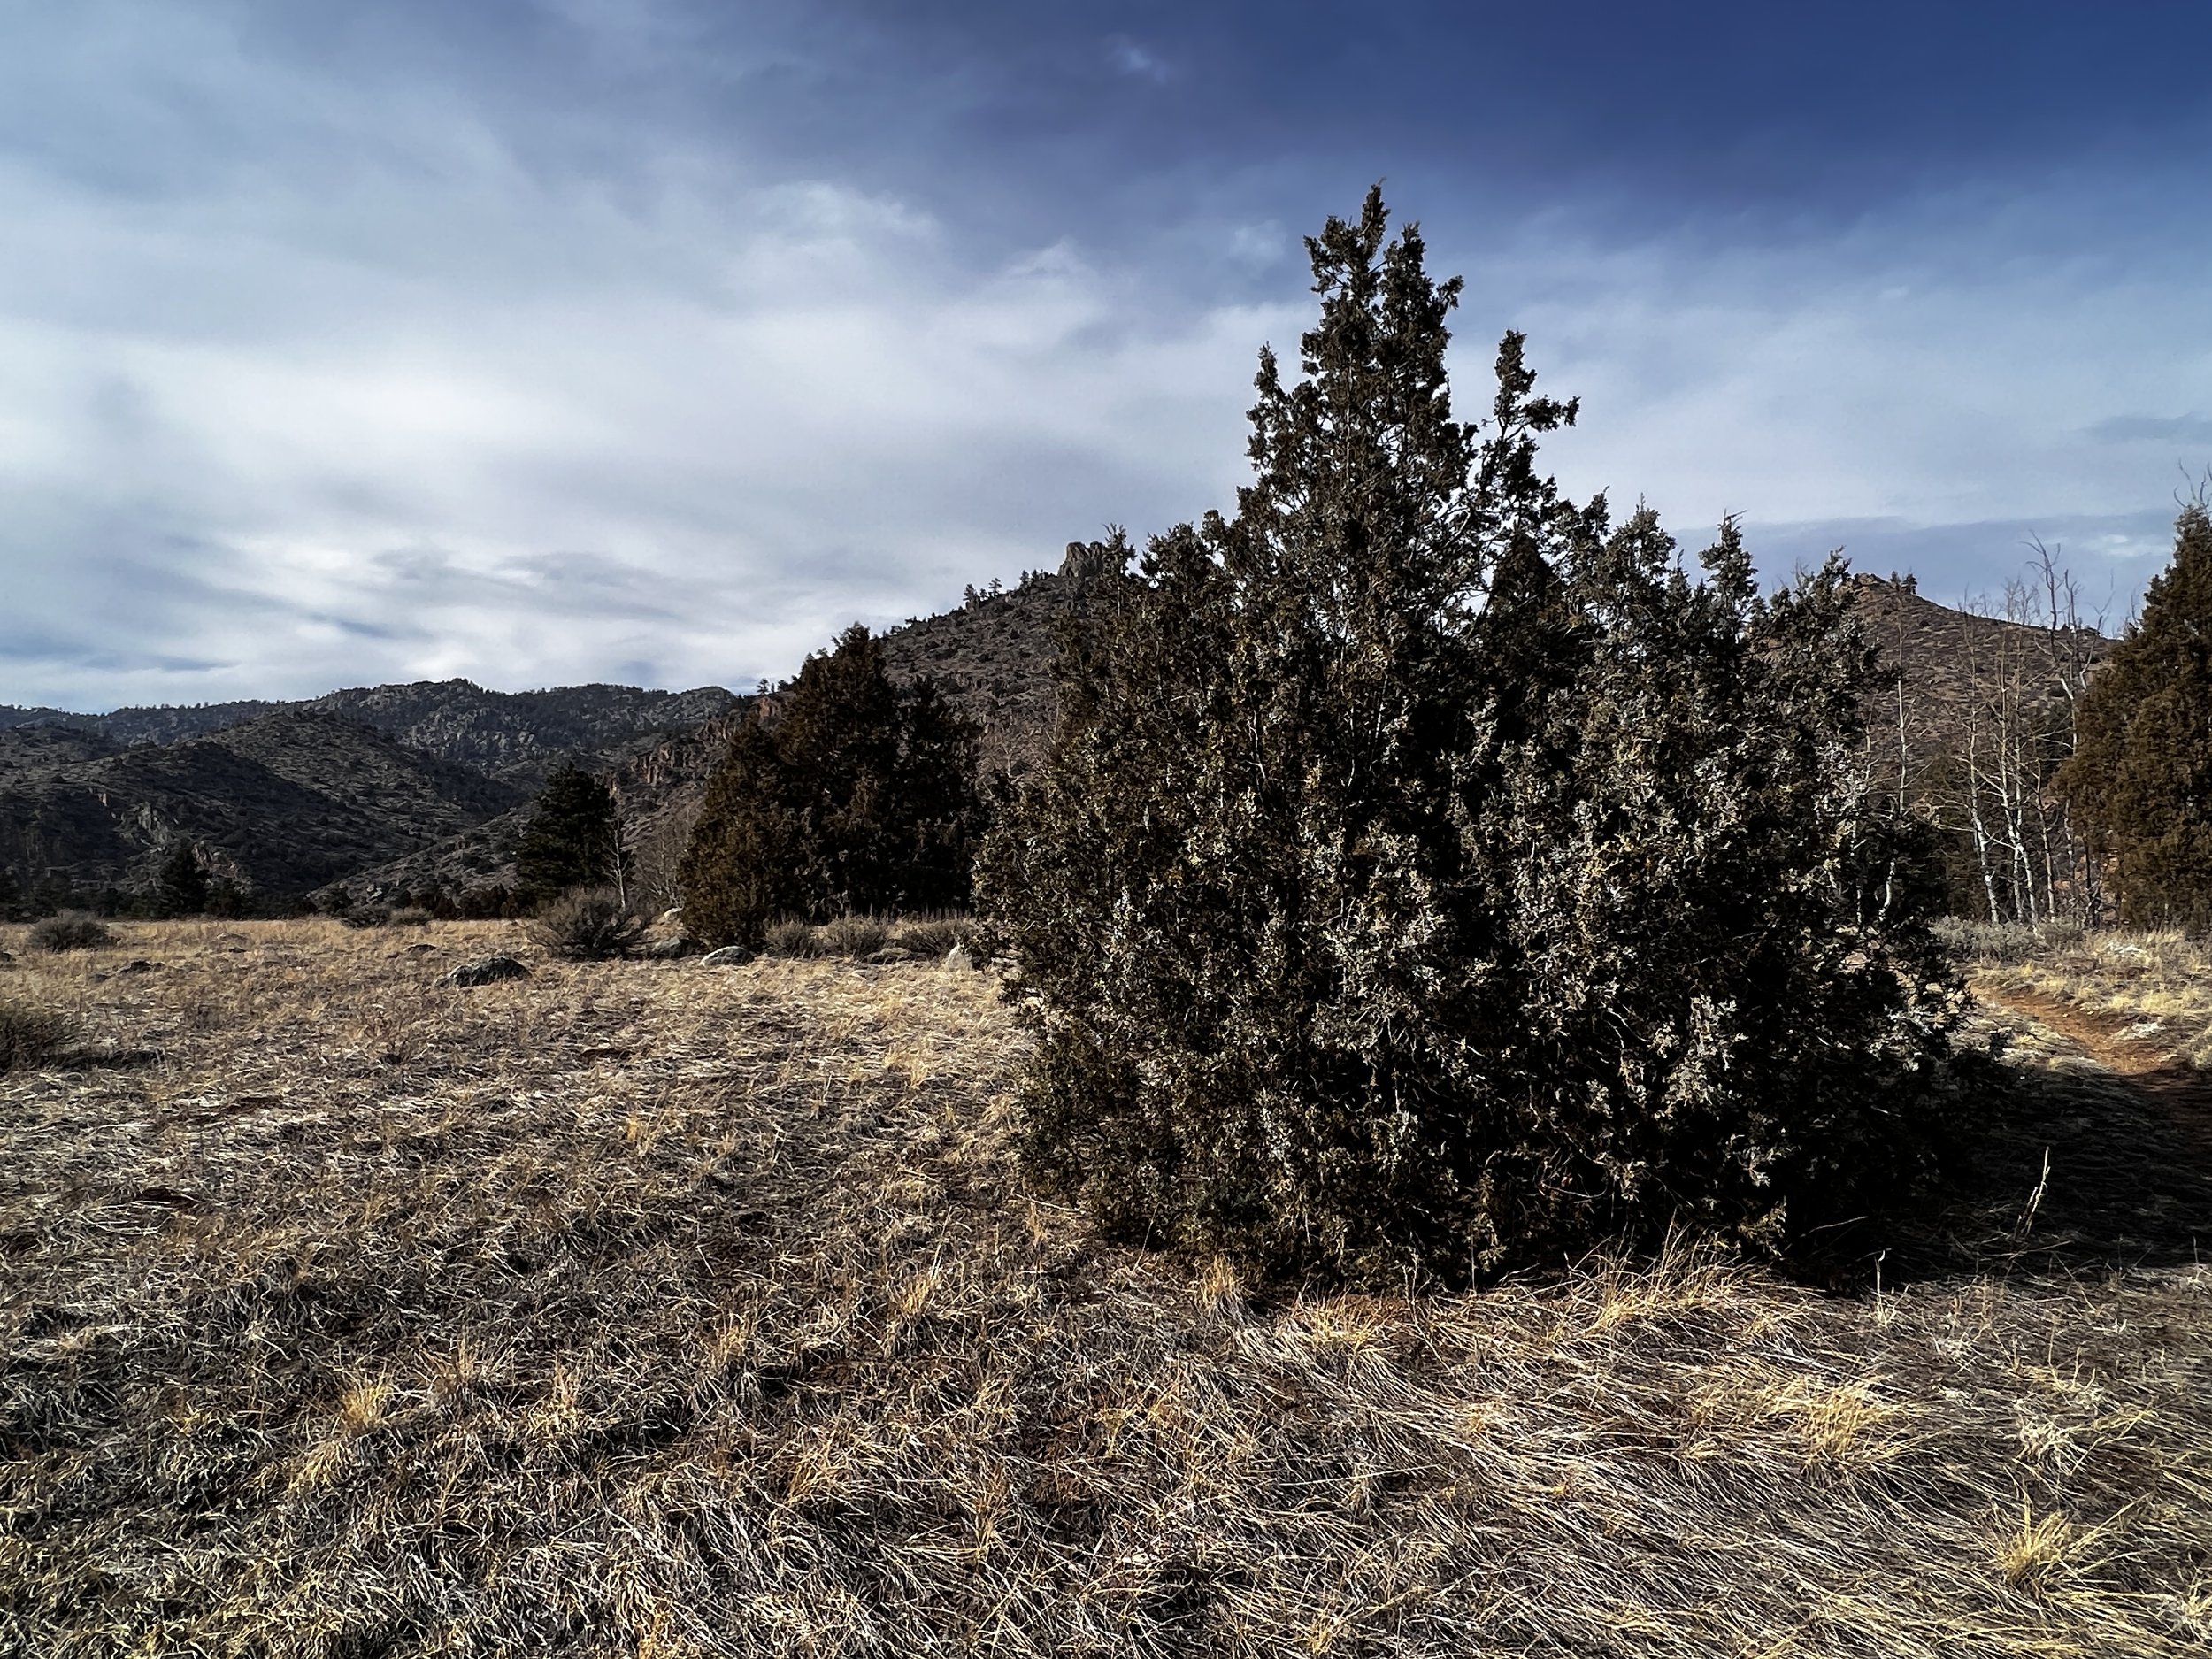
(2141, 776)
(860, 796)
(574, 838)
(1427, 872)
(181, 886)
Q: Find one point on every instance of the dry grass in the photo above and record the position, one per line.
(2152, 990)
(641, 1308)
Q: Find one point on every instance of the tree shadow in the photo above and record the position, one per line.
(2066, 1170)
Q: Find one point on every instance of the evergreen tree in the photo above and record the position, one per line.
(1427, 872)
(182, 886)
(574, 840)
(860, 797)
(2140, 778)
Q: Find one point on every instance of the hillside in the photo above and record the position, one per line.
(991, 658)
(282, 804)
(515, 734)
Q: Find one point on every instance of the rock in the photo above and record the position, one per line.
(728, 956)
(959, 958)
(418, 949)
(138, 965)
(664, 949)
(673, 917)
(889, 954)
(485, 971)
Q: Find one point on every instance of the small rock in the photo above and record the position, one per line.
(728, 956)
(890, 954)
(485, 971)
(138, 965)
(417, 950)
(664, 949)
(960, 958)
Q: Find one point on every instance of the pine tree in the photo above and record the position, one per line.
(1427, 873)
(574, 839)
(860, 797)
(2140, 777)
(182, 886)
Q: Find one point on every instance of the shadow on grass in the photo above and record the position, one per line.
(2067, 1173)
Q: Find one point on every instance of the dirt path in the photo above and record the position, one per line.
(2179, 1092)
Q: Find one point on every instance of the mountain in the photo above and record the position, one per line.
(520, 736)
(282, 804)
(402, 790)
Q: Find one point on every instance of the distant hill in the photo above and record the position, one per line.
(399, 790)
(282, 804)
(514, 734)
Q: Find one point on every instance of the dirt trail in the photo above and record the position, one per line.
(2180, 1092)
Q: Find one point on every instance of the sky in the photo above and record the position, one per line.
(543, 342)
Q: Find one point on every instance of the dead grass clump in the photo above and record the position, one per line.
(790, 937)
(853, 936)
(70, 931)
(31, 1036)
(588, 925)
(679, 1314)
(932, 936)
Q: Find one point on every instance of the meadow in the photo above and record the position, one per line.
(649, 1308)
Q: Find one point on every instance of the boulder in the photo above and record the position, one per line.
(485, 971)
(664, 949)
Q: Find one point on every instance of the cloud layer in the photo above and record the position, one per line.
(607, 340)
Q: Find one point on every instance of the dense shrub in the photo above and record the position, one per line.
(847, 794)
(1427, 873)
(31, 1037)
(2141, 769)
(588, 925)
(71, 930)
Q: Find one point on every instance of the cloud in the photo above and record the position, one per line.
(617, 338)
(1130, 59)
(2166, 429)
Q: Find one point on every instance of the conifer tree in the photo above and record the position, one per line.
(1427, 873)
(2140, 777)
(182, 886)
(574, 839)
(860, 797)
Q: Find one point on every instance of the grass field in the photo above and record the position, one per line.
(652, 1309)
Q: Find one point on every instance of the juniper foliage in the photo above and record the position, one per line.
(2141, 776)
(1428, 875)
(846, 794)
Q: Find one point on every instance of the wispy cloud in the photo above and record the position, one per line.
(552, 341)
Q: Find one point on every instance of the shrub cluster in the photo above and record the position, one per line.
(843, 794)
(71, 930)
(588, 925)
(1428, 874)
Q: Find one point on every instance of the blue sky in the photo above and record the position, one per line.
(654, 340)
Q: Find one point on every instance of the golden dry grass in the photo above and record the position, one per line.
(649, 1309)
(2152, 991)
